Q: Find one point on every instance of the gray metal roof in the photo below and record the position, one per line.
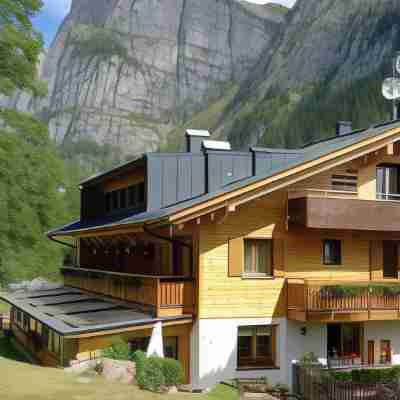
(308, 153)
(69, 311)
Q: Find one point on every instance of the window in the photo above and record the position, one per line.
(122, 198)
(27, 323)
(19, 317)
(388, 182)
(45, 336)
(256, 347)
(56, 343)
(140, 194)
(258, 256)
(115, 198)
(131, 197)
(108, 202)
(170, 345)
(332, 252)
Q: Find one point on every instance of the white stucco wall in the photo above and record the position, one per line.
(214, 350)
(383, 330)
(314, 341)
(214, 347)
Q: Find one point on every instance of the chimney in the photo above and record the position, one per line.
(343, 127)
(217, 145)
(194, 140)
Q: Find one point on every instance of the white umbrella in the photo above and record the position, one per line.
(156, 347)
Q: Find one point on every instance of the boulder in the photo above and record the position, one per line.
(119, 371)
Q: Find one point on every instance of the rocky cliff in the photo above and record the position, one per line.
(126, 72)
(328, 64)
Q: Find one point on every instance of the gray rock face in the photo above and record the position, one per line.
(335, 40)
(125, 72)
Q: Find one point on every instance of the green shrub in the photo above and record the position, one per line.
(154, 372)
(172, 371)
(153, 377)
(140, 359)
(281, 388)
(342, 376)
(309, 358)
(369, 376)
(119, 350)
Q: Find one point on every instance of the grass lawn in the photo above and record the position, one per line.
(22, 381)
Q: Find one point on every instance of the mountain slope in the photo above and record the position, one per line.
(330, 50)
(126, 72)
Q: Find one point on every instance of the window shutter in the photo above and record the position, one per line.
(279, 258)
(376, 259)
(236, 257)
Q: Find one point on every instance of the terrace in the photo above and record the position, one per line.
(343, 301)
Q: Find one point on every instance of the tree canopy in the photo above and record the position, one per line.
(20, 46)
(31, 169)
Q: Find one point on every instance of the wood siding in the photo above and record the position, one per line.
(222, 296)
(225, 293)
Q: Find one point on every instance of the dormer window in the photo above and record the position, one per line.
(132, 197)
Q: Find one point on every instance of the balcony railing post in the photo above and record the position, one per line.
(369, 302)
(158, 296)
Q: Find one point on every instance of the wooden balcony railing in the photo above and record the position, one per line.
(163, 295)
(343, 301)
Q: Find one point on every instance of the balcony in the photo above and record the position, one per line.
(164, 296)
(343, 301)
(330, 209)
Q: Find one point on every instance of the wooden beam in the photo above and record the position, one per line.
(390, 149)
(231, 208)
(129, 329)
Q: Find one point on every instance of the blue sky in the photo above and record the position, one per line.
(55, 10)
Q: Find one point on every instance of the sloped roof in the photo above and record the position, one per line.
(70, 311)
(310, 152)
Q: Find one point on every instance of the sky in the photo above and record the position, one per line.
(55, 10)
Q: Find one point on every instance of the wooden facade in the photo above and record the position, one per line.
(354, 217)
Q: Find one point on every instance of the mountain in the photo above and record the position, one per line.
(125, 73)
(127, 76)
(328, 65)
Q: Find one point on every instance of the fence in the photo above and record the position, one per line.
(314, 383)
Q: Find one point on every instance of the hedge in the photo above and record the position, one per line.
(154, 372)
(369, 376)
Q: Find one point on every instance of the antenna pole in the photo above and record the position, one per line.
(394, 100)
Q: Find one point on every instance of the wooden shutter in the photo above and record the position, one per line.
(236, 257)
(278, 258)
(376, 259)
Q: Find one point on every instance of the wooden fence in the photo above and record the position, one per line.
(314, 383)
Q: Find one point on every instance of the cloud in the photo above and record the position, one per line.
(56, 8)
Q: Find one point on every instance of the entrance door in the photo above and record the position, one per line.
(371, 352)
(390, 259)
